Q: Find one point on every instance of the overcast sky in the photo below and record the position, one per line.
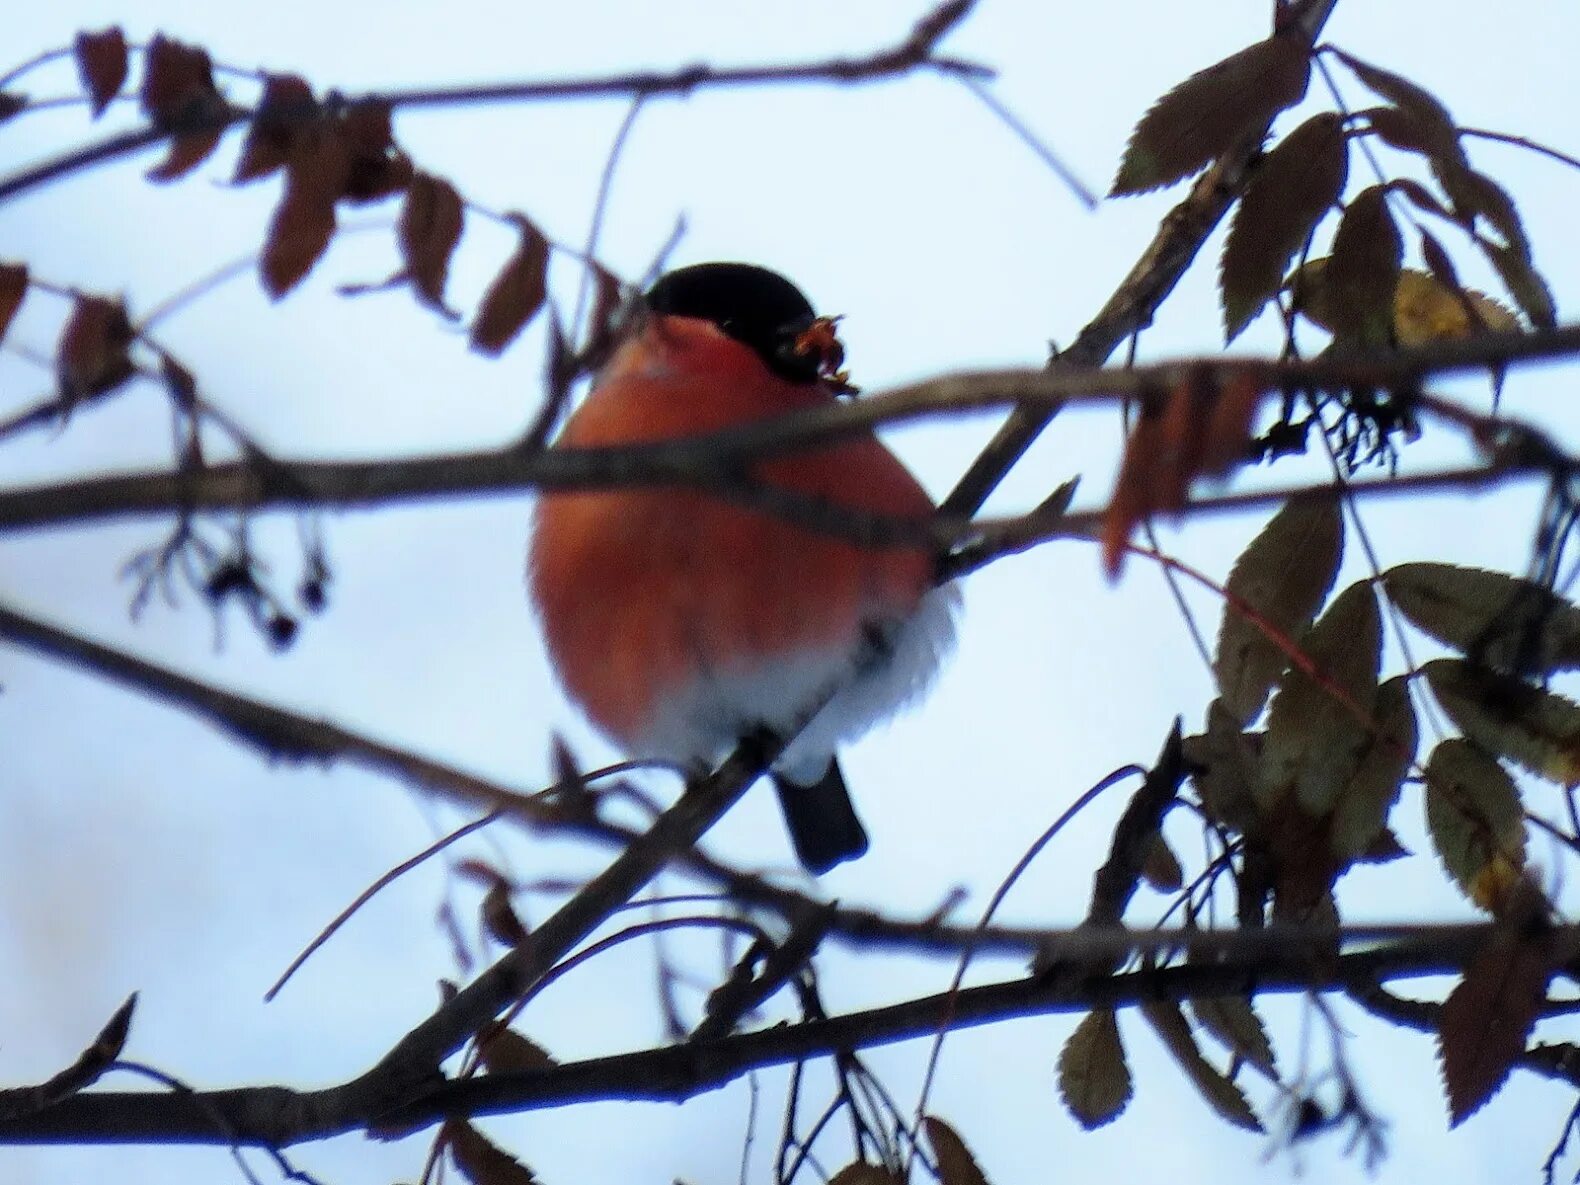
(140, 850)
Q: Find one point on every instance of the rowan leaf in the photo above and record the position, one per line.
(430, 226)
(517, 293)
(1211, 111)
(1283, 576)
(1362, 274)
(1222, 1095)
(1487, 1019)
(13, 289)
(1434, 126)
(1360, 813)
(94, 352)
(505, 1051)
(304, 222)
(1318, 724)
(1233, 1021)
(1531, 726)
(1475, 819)
(1497, 621)
(1094, 1077)
(478, 1160)
(1160, 867)
(177, 91)
(1523, 282)
(956, 1165)
(1291, 189)
(102, 65)
(1224, 763)
(283, 111)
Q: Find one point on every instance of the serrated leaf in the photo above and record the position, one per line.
(1523, 282)
(1094, 1077)
(1362, 274)
(1428, 310)
(516, 294)
(13, 288)
(505, 1051)
(304, 222)
(101, 64)
(1224, 763)
(1487, 1019)
(1475, 819)
(1160, 867)
(1435, 125)
(431, 221)
(1317, 727)
(956, 1165)
(1284, 575)
(1475, 195)
(1222, 1095)
(1360, 814)
(1536, 728)
(94, 352)
(1211, 111)
(479, 1161)
(1233, 1021)
(1292, 188)
(1495, 620)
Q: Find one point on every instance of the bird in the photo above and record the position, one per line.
(681, 622)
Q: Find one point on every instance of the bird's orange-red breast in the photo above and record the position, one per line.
(681, 622)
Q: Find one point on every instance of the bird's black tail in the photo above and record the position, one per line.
(821, 820)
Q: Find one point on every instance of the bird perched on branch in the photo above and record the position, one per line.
(681, 621)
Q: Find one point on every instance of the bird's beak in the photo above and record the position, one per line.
(819, 341)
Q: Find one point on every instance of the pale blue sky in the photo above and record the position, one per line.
(141, 851)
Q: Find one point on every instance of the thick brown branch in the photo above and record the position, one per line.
(278, 1116)
(714, 460)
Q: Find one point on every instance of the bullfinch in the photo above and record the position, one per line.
(680, 621)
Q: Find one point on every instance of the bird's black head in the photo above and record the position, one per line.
(758, 308)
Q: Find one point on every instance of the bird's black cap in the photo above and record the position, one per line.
(757, 307)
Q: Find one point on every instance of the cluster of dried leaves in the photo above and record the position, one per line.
(1360, 292)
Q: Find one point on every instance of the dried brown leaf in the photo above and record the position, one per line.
(499, 916)
(377, 167)
(304, 222)
(1213, 110)
(13, 288)
(101, 64)
(1160, 867)
(178, 90)
(1199, 428)
(1433, 124)
(430, 227)
(505, 1051)
(94, 353)
(1224, 768)
(1495, 620)
(284, 109)
(1317, 727)
(1233, 1021)
(1360, 814)
(1363, 272)
(1523, 282)
(1475, 820)
(1222, 1095)
(1292, 188)
(956, 1165)
(517, 293)
(478, 1160)
(1487, 1019)
(1537, 728)
(1284, 575)
(1094, 1077)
